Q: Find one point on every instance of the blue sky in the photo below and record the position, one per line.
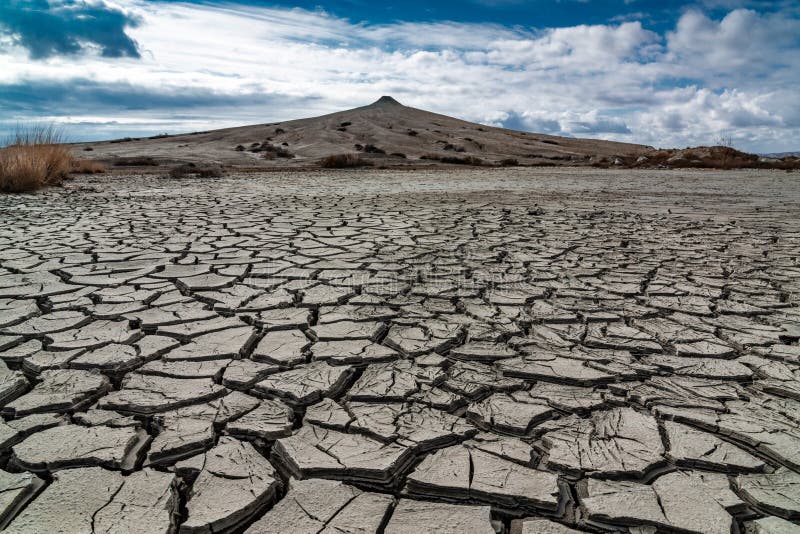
(662, 73)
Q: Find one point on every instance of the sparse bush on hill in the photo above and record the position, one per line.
(602, 163)
(279, 151)
(509, 162)
(344, 161)
(372, 149)
(271, 151)
(33, 157)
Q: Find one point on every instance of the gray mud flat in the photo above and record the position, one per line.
(490, 351)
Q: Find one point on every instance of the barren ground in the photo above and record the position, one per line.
(471, 351)
(405, 135)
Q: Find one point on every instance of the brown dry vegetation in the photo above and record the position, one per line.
(87, 166)
(454, 160)
(201, 170)
(344, 161)
(135, 161)
(709, 157)
(32, 158)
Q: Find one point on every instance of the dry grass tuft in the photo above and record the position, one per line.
(87, 166)
(344, 161)
(33, 158)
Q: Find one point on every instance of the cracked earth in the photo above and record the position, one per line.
(481, 351)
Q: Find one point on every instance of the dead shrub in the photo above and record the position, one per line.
(21, 170)
(33, 157)
(200, 170)
(468, 160)
(87, 166)
(271, 151)
(509, 162)
(454, 160)
(344, 161)
(135, 161)
(279, 151)
(372, 149)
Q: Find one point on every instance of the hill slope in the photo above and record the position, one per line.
(385, 126)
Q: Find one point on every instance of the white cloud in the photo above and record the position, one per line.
(742, 45)
(738, 74)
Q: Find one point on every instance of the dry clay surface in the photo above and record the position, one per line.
(483, 352)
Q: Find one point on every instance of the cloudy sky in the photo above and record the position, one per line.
(663, 73)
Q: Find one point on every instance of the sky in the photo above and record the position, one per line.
(662, 73)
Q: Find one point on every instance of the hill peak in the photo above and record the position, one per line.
(385, 131)
(386, 101)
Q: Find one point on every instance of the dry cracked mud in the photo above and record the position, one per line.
(497, 352)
